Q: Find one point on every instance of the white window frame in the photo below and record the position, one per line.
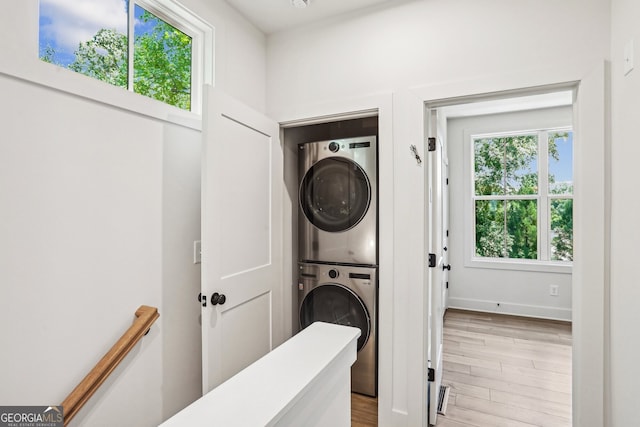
(201, 35)
(543, 263)
(65, 80)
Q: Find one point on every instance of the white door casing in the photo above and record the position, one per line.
(591, 250)
(590, 280)
(242, 188)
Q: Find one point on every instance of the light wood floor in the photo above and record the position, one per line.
(506, 371)
(503, 371)
(364, 411)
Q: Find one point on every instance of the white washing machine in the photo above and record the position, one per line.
(345, 295)
(338, 204)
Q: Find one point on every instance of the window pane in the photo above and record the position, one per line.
(490, 229)
(522, 228)
(506, 165)
(561, 162)
(521, 164)
(87, 36)
(561, 229)
(489, 166)
(162, 60)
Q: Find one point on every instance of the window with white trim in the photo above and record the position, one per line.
(522, 195)
(154, 48)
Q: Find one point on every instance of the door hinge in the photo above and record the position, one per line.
(431, 375)
(202, 299)
(432, 144)
(432, 260)
(447, 181)
(447, 285)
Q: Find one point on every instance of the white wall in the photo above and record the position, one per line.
(419, 42)
(524, 293)
(471, 47)
(625, 204)
(240, 52)
(99, 208)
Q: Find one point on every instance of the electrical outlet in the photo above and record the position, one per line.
(554, 290)
(197, 252)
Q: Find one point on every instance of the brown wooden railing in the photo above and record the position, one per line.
(80, 395)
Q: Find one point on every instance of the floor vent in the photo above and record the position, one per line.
(443, 398)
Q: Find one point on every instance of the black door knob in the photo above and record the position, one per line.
(217, 298)
(446, 267)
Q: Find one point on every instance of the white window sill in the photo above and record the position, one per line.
(520, 265)
(35, 71)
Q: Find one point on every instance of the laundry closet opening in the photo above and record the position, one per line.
(331, 177)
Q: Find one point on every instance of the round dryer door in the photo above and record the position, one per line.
(335, 194)
(333, 303)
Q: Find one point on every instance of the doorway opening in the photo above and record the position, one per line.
(501, 221)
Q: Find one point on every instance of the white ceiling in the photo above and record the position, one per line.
(272, 16)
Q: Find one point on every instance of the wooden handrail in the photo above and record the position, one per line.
(80, 395)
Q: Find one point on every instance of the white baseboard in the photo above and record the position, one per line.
(541, 312)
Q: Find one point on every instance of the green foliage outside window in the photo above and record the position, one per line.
(503, 165)
(162, 64)
(561, 209)
(104, 57)
(562, 230)
(491, 237)
(507, 203)
(162, 61)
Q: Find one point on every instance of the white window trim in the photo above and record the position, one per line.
(33, 69)
(202, 36)
(473, 261)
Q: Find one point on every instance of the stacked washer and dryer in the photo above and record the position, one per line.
(338, 244)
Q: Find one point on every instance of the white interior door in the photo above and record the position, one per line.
(242, 278)
(435, 219)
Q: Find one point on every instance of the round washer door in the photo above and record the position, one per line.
(333, 303)
(335, 194)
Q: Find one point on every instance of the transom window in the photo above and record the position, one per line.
(522, 195)
(150, 47)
